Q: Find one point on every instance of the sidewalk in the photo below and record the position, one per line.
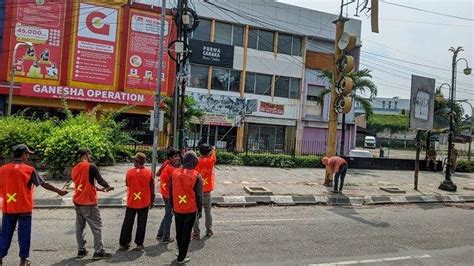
(293, 186)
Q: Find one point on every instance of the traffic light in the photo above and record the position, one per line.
(344, 64)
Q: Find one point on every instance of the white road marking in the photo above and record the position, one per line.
(352, 262)
(269, 220)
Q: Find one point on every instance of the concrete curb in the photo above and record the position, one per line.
(281, 200)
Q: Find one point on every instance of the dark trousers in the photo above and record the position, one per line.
(127, 227)
(341, 174)
(184, 226)
(165, 226)
(9, 222)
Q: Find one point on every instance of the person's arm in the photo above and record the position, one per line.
(198, 192)
(37, 180)
(152, 190)
(95, 175)
(170, 186)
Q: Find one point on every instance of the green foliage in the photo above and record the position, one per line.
(395, 123)
(228, 158)
(191, 110)
(465, 166)
(269, 160)
(18, 129)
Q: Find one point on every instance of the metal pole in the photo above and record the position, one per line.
(12, 77)
(156, 109)
(417, 159)
(343, 136)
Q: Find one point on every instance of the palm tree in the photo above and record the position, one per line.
(442, 110)
(362, 84)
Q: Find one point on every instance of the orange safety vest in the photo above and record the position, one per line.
(206, 168)
(138, 191)
(165, 180)
(85, 193)
(184, 197)
(15, 194)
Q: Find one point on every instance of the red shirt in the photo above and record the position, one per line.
(335, 163)
(139, 191)
(165, 180)
(205, 167)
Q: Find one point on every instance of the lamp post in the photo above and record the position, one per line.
(12, 75)
(448, 184)
(470, 128)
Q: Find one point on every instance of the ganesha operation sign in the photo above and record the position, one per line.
(82, 94)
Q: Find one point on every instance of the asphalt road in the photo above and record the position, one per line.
(395, 235)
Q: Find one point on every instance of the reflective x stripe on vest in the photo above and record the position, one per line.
(11, 197)
(136, 196)
(182, 199)
(79, 188)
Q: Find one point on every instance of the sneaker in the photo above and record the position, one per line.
(177, 253)
(25, 262)
(186, 260)
(168, 240)
(209, 233)
(139, 248)
(335, 191)
(195, 237)
(82, 253)
(101, 255)
(123, 248)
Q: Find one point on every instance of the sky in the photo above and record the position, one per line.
(411, 36)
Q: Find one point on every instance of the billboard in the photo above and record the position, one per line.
(422, 102)
(211, 53)
(95, 52)
(42, 24)
(141, 62)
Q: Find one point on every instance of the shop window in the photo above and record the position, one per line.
(223, 33)
(203, 31)
(266, 137)
(263, 84)
(225, 79)
(199, 76)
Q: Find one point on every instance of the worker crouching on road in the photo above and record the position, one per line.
(17, 183)
(205, 167)
(140, 197)
(174, 162)
(186, 200)
(337, 166)
(85, 175)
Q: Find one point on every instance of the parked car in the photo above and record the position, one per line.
(369, 142)
(360, 154)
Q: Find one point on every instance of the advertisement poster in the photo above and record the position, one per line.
(143, 48)
(211, 53)
(95, 47)
(41, 23)
(422, 102)
(272, 108)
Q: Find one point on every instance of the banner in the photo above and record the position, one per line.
(40, 22)
(219, 104)
(95, 46)
(211, 53)
(143, 48)
(81, 94)
(272, 108)
(422, 103)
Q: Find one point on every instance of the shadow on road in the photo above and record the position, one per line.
(352, 214)
(197, 244)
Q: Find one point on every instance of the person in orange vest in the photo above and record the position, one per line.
(17, 183)
(174, 162)
(85, 175)
(337, 166)
(140, 197)
(205, 167)
(186, 201)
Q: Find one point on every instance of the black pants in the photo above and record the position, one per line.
(127, 227)
(184, 226)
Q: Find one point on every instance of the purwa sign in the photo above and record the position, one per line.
(211, 53)
(81, 94)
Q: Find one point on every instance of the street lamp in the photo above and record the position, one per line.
(448, 184)
(12, 75)
(470, 127)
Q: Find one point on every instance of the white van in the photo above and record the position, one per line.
(369, 142)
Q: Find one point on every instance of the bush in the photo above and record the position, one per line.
(465, 166)
(279, 160)
(228, 158)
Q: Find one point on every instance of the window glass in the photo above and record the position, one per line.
(199, 75)
(250, 83)
(295, 88)
(234, 81)
(265, 41)
(263, 84)
(284, 43)
(223, 33)
(220, 79)
(279, 137)
(253, 36)
(238, 35)
(282, 87)
(203, 31)
(296, 48)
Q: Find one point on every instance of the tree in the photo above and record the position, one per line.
(363, 84)
(191, 111)
(442, 110)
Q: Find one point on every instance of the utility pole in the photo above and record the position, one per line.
(157, 105)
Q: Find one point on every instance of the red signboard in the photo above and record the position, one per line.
(95, 47)
(40, 22)
(81, 94)
(143, 47)
(272, 108)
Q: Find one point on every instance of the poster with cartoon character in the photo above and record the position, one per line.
(45, 31)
